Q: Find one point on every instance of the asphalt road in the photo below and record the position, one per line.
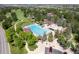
(4, 46)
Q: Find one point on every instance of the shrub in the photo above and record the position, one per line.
(32, 47)
(50, 37)
(63, 42)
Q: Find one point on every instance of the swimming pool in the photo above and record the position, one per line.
(38, 30)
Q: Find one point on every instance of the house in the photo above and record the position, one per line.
(48, 18)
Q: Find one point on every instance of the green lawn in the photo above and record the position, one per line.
(15, 50)
(20, 14)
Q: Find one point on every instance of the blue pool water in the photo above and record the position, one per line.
(37, 29)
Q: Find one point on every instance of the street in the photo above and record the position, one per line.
(4, 46)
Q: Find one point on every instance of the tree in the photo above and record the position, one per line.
(13, 14)
(57, 33)
(31, 39)
(2, 17)
(63, 42)
(50, 37)
(9, 34)
(76, 37)
(44, 37)
(18, 41)
(7, 23)
(23, 35)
